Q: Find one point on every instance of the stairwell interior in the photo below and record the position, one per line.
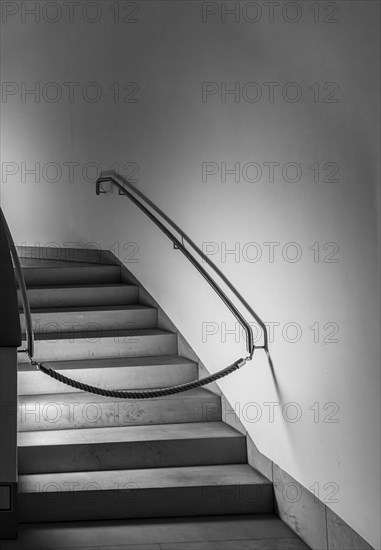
(86, 457)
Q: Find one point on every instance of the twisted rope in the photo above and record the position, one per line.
(142, 394)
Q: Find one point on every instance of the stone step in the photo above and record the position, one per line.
(53, 321)
(48, 272)
(110, 373)
(228, 532)
(71, 411)
(46, 263)
(151, 446)
(103, 343)
(153, 492)
(81, 295)
(49, 254)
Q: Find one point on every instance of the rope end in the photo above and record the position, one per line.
(35, 364)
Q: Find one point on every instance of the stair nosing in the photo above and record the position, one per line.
(222, 431)
(204, 475)
(102, 333)
(101, 308)
(84, 364)
(194, 393)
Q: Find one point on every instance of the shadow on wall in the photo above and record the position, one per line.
(113, 175)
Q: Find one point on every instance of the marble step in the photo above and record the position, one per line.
(102, 344)
(69, 411)
(81, 295)
(110, 373)
(53, 321)
(27, 263)
(153, 492)
(150, 446)
(229, 532)
(50, 254)
(48, 272)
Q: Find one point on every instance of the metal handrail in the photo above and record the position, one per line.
(23, 292)
(179, 244)
(176, 242)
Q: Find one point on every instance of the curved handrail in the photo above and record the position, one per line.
(179, 244)
(24, 296)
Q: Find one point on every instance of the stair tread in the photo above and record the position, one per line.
(138, 361)
(27, 263)
(102, 333)
(79, 309)
(79, 286)
(85, 397)
(155, 478)
(89, 436)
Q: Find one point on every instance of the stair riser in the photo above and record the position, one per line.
(55, 323)
(104, 412)
(133, 502)
(37, 383)
(71, 275)
(81, 296)
(97, 347)
(127, 455)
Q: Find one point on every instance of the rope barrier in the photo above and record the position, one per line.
(139, 394)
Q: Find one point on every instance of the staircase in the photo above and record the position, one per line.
(86, 457)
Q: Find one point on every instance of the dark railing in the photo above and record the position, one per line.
(179, 244)
(12, 314)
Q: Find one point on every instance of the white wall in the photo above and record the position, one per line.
(169, 133)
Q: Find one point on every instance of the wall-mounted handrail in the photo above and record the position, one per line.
(23, 293)
(179, 244)
(250, 345)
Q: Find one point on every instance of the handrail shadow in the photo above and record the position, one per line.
(115, 175)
